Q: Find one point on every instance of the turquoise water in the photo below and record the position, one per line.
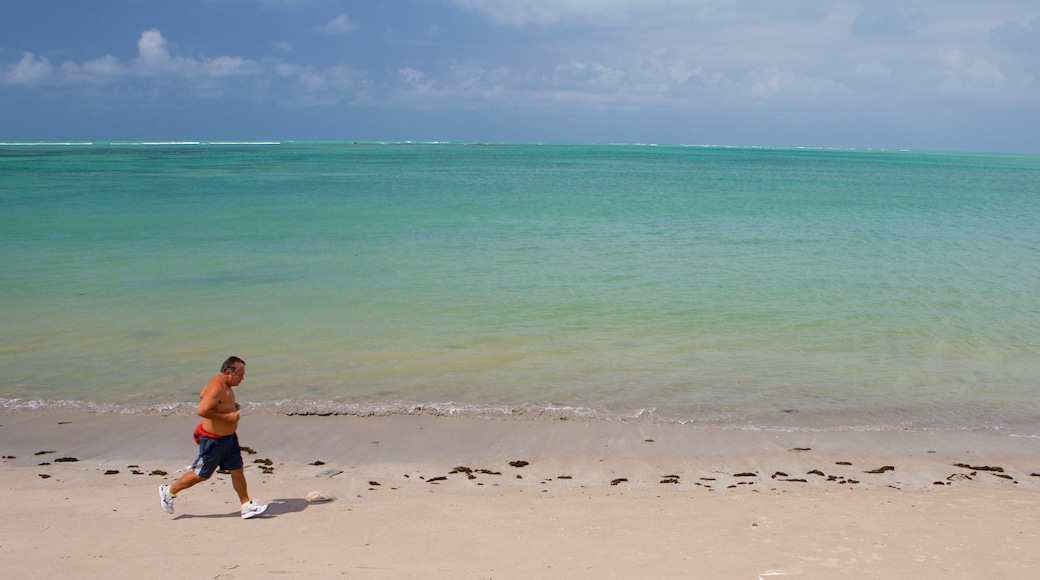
(747, 287)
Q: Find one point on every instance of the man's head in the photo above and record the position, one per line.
(234, 369)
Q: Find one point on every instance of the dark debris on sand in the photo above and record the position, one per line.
(881, 469)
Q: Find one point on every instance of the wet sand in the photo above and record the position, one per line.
(442, 496)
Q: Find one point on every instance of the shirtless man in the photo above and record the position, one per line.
(218, 442)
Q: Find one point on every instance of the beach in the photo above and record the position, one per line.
(522, 360)
(442, 496)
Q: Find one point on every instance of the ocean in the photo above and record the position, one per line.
(741, 287)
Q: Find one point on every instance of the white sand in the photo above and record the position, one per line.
(561, 517)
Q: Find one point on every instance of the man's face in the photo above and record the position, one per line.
(235, 377)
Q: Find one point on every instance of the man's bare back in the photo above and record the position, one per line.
(217, 405)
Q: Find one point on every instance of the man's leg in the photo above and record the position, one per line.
(249, 509)
(238, 481)
(168, 492)
(185, 481)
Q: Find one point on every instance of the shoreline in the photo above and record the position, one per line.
(1022, 425)
(398, 439)
(439, 496)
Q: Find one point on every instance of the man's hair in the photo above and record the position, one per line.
(231, 364)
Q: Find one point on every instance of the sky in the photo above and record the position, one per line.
(943, 75)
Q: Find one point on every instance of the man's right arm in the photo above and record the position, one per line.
(209, 404)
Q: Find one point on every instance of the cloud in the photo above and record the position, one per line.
(624, 14)
(460, 83)
(966, 75)
(311, 86)
(151, 48)
(337, 77)
(105, 67)
(1017, 38)
(881, 19)
(338, 25)
(623, 57)
(154, 60)
(98, 71)
(226, 66)
(873, 71)
(30, 70)
(594, 76)
(520, 13)
(773, 82)
(297, 85)
(416, 81)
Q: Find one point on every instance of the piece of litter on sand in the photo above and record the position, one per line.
(320, 497)
(329, 473)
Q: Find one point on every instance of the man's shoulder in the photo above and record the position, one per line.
(215, 386)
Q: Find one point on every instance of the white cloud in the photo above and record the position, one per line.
(416, 82)
(521, 13)
(32, 69)
(1017, 38)
(155, 60)
(226, 66)
(152, 46)
(338, 25)
(98, 71)
(107, 66)
(671, 69)
(873, 71)
(518, 13)
(338, 77)
(332, 85)
(773, 82)
(625, 56)
(152, 57)
(881, 19)
(589, 76)
(628, 13)
(467, 77)
(965, 75)
(410, 75)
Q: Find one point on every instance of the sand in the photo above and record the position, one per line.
(438, 497)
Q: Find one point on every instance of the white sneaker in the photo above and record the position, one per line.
(250, 509)
(165, 499)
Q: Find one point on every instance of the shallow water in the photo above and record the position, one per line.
(749, 287)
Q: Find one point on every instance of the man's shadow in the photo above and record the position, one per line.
(275, 507)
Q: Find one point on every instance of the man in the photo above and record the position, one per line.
(218, 442)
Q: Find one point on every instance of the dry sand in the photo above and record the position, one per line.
(595, 500)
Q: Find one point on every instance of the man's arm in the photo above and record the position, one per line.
(209, 403)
